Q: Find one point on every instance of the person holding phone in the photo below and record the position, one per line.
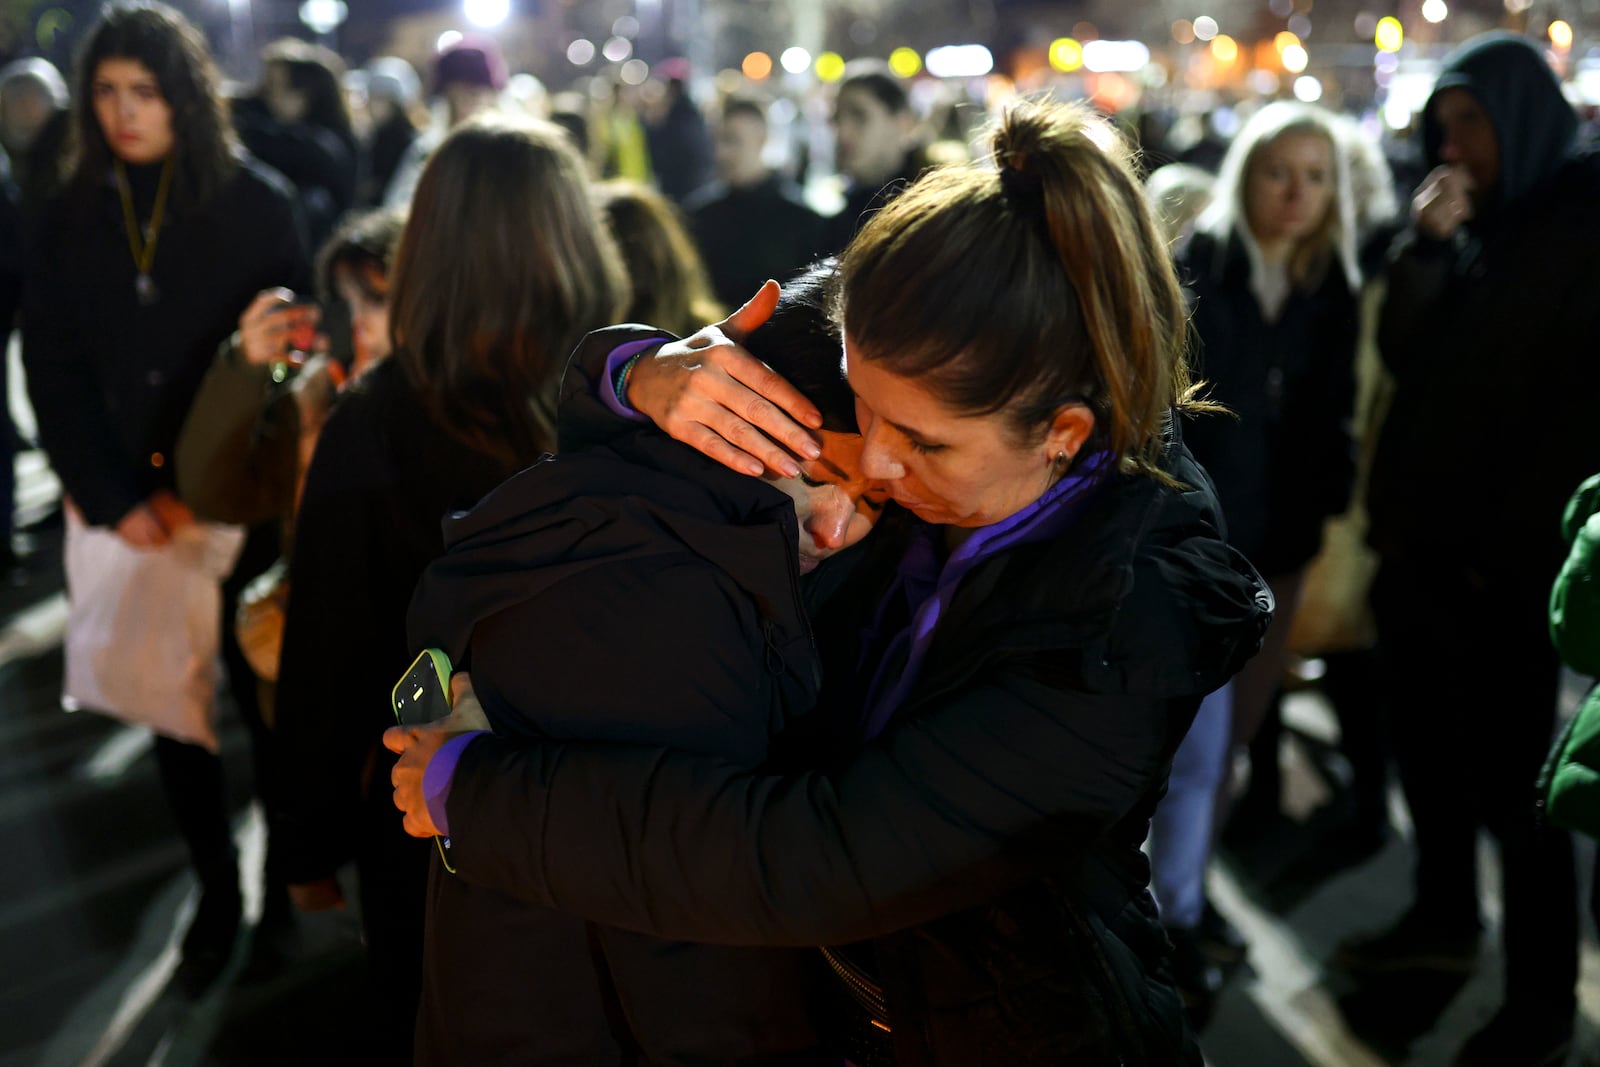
(1009, 665)
(140, 266)
(480, 330)
(629, 532)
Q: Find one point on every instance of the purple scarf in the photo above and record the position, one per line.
(929, 587)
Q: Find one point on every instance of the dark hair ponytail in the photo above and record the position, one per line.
(1037, 282)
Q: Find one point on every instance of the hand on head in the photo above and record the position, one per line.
(714, 396)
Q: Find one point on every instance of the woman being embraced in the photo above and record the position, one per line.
(1010, 660)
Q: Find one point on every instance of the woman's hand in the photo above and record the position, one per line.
(140, 528)
(274, 324)
(714, 396)
(417, 745)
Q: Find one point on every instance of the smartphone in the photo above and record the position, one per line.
(422, 695)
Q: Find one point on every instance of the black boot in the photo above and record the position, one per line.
(208, 943)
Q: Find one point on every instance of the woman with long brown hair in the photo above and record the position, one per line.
(140, 267)
(502, 268)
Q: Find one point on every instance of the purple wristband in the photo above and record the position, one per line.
(437, 778)
(608, 381)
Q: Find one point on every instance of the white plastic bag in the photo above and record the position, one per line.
(144, 626)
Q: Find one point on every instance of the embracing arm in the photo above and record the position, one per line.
(1575, 600)
(237, 454)
(935, 817)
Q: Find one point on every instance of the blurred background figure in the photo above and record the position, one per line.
(299, 124)
(163, 234)
(35, 122)
(1179, 192)
(670, 288)
(1272, 272)
(677, 137)
(468, 77)
(11, 260)
(1490, 309)
(395, 118)
(751, 223)
(876, 144)
(503, 266)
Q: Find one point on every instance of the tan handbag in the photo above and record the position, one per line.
(258, 623)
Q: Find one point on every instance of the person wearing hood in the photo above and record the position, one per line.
(629, 532)
(1489, 329)
(35, 124)
(1272, 275)
(1009, 661)
(394, 94)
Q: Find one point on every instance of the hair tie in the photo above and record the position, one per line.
(1021, 185)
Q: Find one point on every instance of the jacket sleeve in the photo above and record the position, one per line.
(1419, 272)
(583, 418)
(936, 816)
(1575, 600)
(75, 424)
(237, 454)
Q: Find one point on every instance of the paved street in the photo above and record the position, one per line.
(95, 891)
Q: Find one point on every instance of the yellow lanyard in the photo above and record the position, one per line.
(144, 249)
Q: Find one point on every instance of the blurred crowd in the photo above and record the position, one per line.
(273, 335)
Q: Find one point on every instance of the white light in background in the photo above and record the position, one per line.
(486, 14)
(1295, 59)
(323, 16)
(960, 61)
(1205, 27)
(1307, 89)
(795, 60)
(580, 52)
(1435, 10)
(634, 72)
(447, 39)
(617, 49)
(1122, 56)
(626, 26)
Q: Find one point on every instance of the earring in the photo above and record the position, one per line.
(1061, 458)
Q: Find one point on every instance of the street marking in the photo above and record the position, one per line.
(116, 754)
(34, 630)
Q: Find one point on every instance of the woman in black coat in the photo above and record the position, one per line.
(1272, 275)
(1009, 662)
(481, 327)
(140, 267)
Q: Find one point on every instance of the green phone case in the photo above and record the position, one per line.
(441, 669)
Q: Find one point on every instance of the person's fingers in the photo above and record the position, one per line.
(460, 687)
(757, 310)
(707, 441)
(394, 739)
(777, 408)
(417, 826)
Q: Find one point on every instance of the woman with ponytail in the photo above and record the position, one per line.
(1010, 660)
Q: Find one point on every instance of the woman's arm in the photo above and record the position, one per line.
(935, 817)
(237, 453)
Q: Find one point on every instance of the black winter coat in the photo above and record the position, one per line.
(1491, 339)
(630, 591)
(988, 843)
(111, 379)
(1287, 462)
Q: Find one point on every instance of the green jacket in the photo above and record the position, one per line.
(1572, 797)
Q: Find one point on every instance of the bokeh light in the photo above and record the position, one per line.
(1224, 49)
(830, 66)
(1389, 35)
(1066, 55)
(905, 62)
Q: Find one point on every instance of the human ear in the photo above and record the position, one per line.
(1069, 431)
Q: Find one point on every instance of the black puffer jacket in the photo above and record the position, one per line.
(629, 591)
(987, 844)
(1491, 340)
(1287, 461)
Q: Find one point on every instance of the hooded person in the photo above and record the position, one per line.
(627, 532)
(1489, 329)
